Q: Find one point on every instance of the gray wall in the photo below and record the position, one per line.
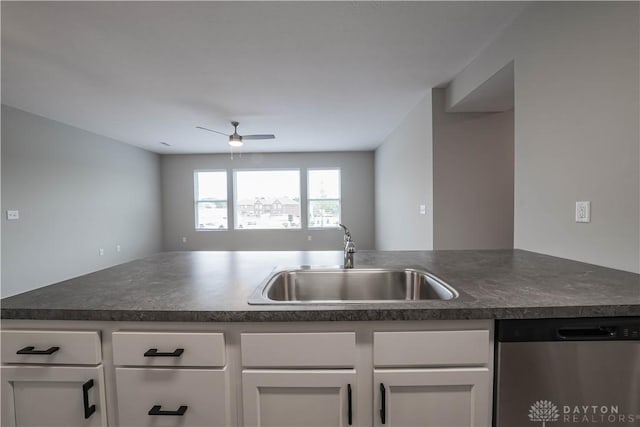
(178, 202)
(404, 181)
(472, 178)
(577, 105)
(76, 192)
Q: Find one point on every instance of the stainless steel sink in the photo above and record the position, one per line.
(356, 285)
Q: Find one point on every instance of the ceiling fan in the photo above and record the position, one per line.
(235, 139)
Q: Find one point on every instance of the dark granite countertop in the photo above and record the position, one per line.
(214, 287)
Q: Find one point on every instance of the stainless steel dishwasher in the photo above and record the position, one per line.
(568, 372)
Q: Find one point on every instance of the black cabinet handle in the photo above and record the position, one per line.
(349, 405)
(157, 411)
(88, 410)
(153, 352)
(383, 415)
(30, 350)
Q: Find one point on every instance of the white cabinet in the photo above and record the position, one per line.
(172, 374)
(299, 350)
(51, 347)
(431, 348)
(39, 386)
(449, 397)
(172, 397)
(427, 378)
(298, 379)
(166, 379)
(42, 396)
(180, 349)
(451, 388)
(293, 398)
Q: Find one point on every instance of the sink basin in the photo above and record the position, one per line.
(356, 285)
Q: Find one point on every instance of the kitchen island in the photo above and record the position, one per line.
(172, 339)
(215, 286)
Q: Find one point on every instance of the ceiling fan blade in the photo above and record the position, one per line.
(248, 137)
(211, 130)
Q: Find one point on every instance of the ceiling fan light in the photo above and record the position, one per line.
(235, 141)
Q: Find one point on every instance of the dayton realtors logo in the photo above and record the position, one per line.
(543, 411)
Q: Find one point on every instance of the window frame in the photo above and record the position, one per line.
(310, 199)
(197, 201)
(265, 169)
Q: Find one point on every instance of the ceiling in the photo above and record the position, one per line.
(322, 76)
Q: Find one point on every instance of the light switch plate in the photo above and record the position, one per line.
(583, 211)
(423, 209)
(13, 215)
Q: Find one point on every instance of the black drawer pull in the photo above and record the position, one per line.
(153, 352)
(88, 410)
(30, 350)
(349, 405)
(383, 415)
(157, 411)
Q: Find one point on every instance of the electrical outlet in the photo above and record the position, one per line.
(118, 248)
(583, 211)
(13, 215)
(423, 209)
(184, 240)
(101, 251)
(309, 238)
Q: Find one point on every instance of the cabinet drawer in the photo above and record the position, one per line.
(164, 391)
(300, 350)
(168, 349)
(51, 347)
(431, 348)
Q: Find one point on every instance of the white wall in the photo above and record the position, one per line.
(178, 202)
(403, 181)
(472, 178)
(76, 192)
(577, 103)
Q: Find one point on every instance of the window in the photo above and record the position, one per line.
(211, 200)
(267, 199)
(324, 198)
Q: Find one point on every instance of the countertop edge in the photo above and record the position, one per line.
(323, 314)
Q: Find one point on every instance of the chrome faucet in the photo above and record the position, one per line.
(349, 247)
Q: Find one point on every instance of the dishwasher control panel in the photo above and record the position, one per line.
(632, 332)
(588, 329)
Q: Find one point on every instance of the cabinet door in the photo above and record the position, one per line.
(160, 397)
(47, 396)
(432, 397)
(292, 398)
